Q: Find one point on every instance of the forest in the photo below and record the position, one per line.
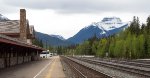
(131, 43)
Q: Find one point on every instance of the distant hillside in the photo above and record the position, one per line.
(85, 34)
(51, 40)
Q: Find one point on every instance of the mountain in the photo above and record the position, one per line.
(52, 40)
(108, 26)
(3, 18)
(58, 36)
(86, 33)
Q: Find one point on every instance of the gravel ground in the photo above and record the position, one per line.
(67, 70)
(109, 71)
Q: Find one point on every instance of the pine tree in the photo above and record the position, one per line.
(148, 25)
(135, 26)
(147, 37)
(143, 28)
(38, 42)
(41, 43)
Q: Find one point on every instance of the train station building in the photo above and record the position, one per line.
(16, 38)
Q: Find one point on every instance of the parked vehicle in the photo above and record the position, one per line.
(46, 54)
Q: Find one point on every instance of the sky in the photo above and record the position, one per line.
(67, 17)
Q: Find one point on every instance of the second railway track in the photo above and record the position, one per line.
(142, 71)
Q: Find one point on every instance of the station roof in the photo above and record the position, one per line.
(14, 41)
(10, 26)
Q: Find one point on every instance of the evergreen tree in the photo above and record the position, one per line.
(143, 28)
(135, 26)
(41, 43)
(148, 25)
(147, 37)
(38, 42)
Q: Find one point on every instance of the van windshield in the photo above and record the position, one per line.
(45, 53)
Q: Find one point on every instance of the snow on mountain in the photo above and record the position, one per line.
(110, 23)
(3, 18)
(58, 36)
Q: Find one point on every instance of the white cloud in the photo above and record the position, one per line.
(84, 6)
(67, 17)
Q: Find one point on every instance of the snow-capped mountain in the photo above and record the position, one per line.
(58, 36)
(108, 26)
(3, 18)
(110, 23)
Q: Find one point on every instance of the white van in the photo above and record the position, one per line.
(45, 54)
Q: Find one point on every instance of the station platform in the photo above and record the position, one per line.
(55, 70)
(44, 68)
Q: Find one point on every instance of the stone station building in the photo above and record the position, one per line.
(16, 42)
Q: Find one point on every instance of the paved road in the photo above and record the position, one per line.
(35, 69)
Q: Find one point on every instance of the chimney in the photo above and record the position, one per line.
(23, 23)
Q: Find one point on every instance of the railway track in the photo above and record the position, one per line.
(132, 63)
(81, 71)
(139, 63)
(131, 67)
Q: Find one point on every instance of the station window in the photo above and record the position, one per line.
(0, 54)
(14, 54)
